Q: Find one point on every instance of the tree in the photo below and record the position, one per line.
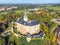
(13, 40)
(49, 33)
(2, 41)
(55, 15)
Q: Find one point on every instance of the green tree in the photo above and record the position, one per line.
(2, 41)
(48, 33)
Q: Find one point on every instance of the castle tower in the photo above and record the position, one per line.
(25, 16)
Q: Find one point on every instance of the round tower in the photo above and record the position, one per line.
(25, 17)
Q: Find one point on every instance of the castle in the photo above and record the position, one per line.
(26, 26)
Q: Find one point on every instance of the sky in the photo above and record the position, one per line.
(29, 1)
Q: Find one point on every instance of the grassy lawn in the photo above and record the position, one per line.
(34, 41)
(3, 12)
(19, 11)
(55, 8)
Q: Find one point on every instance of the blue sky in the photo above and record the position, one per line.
(29, 1)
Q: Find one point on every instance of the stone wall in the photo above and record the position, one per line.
(23, 29)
